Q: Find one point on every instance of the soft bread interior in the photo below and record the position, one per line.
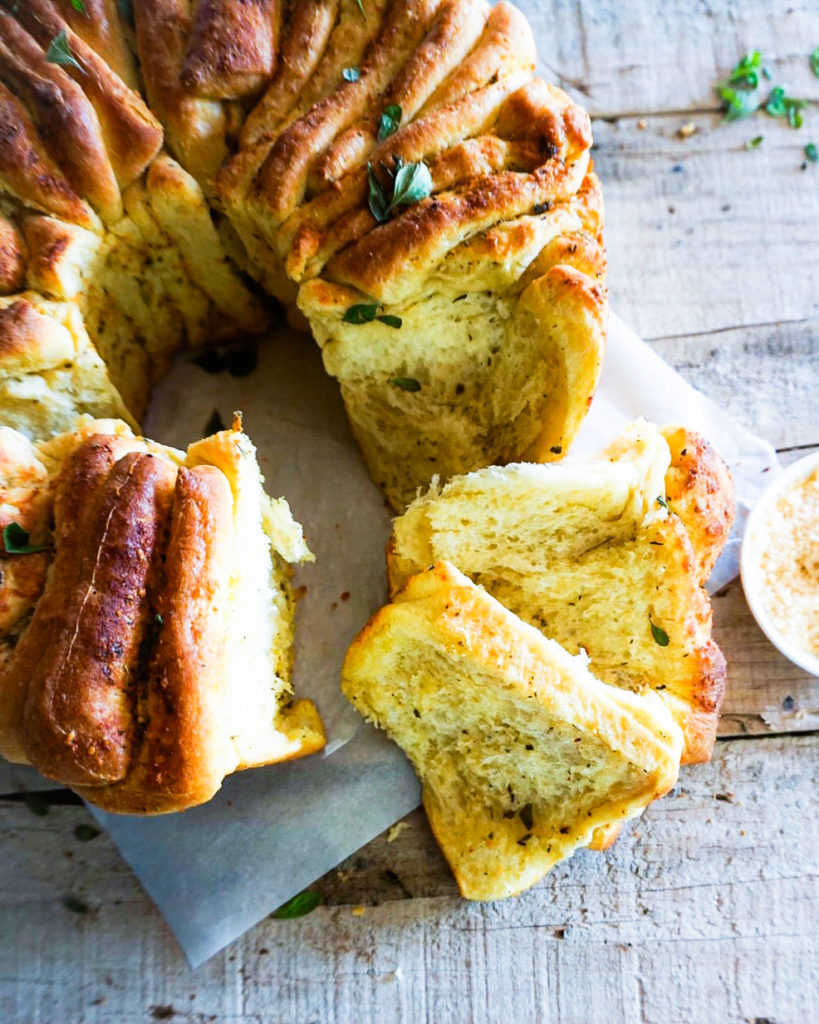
(521, 751)
(264, 724)
(493, 373)
(50, 373)
(589, 554)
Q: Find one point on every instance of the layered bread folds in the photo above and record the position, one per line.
(521, 752)
(392, 170)
(432, 209)
(607, 555)
(146, 619)
(99, 226)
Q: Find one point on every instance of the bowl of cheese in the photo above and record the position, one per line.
(780, 563)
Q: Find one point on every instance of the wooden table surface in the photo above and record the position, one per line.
(706, 910)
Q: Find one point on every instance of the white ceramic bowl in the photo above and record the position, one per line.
(750, 567)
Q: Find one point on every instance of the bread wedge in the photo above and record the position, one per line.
(521, 752)
(147, 638)
(592, 554)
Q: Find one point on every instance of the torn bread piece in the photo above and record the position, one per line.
(592, 553)
(521, 752)
(151, 656)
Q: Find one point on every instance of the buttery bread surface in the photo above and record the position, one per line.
(150, 655)
(594, 554)
(393, 172)
(521, 752)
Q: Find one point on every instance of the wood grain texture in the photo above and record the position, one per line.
(704, 911)
(706, 237)
(648, 57)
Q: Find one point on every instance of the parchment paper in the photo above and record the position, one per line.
(216, 870)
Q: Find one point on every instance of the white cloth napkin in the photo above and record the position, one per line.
(216, 870)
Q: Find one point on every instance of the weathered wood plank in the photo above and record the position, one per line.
(705, 236)
(704, 911)
(655, 56)
(766, 377)
(764, 691)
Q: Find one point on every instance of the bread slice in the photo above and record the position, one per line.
(589, 552)
(521, 752)
(147, 647)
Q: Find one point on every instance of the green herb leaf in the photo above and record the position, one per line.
(78, 5)
(350, 74)
(361, 313)
(754, 143)
(75, 905)
(661, 501)
(85, 833)
(659, 634)
(390, 320)
(814, 62)
(811, 152)
(59, 52)
(413, 182)
(389, 122)
(361, 8)
(410, 183)
(779, 104)
(299, 905)
(16, 538)
(738, 103)
(739, 92)
(747, 71)
(378, 199)
(406, 383)
(36, 804)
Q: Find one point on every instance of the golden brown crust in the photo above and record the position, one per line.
(81, 476)
(12, 258)
(699, 489)
(232, 47)
(438, 616)
(78, 721)
(27, 170)
(196, 127)
(182, 755)
(128, 132)
(98, 23)
(66, 121)
(116, 677)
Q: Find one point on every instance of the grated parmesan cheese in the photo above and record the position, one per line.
(790, 563)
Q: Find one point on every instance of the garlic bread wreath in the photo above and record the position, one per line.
(392, 170)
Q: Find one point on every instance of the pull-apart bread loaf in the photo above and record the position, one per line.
(145, 616)
(393, 170)
(432, 209)
(521, 752)
(99, 228)
(605, 554)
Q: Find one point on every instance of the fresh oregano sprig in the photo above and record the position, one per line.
(366, 312)
(59, 52)
(410, 183)
(389, 121)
